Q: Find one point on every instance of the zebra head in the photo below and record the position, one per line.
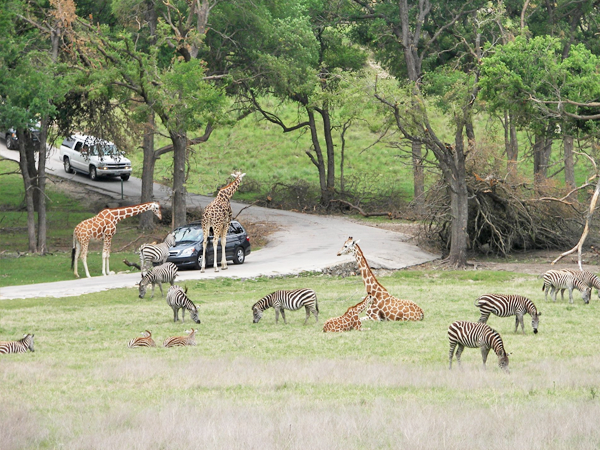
(257, 313)
(28, 340)
(194, 314)
(170, 240)
(349, 247)
(535, 321)
(142, 285)
(503, 361)
(586, 295)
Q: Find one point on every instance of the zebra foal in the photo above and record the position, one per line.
(144, 341)
(177, 299)
(165, 273)
(506, 306)
(20, 346)
(560, 279)
(463, 334)
(155, 253)
(180, 341)
(292, 300)
(588, 278)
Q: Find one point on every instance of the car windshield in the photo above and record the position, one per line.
(188, 234)
(104, 150)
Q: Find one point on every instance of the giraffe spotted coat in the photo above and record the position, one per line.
(384, 305)
(349, 320)
(103, 226)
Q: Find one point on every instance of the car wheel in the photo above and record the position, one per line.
(239, 256)
(198, 263)
(93, 173)
(67, 165)
(11, 144)
(124, 177)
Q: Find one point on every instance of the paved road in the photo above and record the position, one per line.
(303, 242)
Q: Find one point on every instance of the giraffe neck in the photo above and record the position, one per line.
(369, 279)
(119, 214)
(357, 309)
(228, 191)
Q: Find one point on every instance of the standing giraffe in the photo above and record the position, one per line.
(217, 216)
(103, 226)
(349, 320)
(384, 305)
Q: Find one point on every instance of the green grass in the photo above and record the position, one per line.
(263, 385)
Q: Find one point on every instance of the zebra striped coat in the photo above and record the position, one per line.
(144, 341)
(155, 253)
(475, 334)
(20, 346)
(506, 306)
(560, 279)
(177, 299)
(588, 278)
(292, 300)
(180, 341)
(165, 273)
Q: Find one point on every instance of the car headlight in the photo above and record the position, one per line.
(188, 252)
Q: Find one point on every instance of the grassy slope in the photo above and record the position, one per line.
(288, 386)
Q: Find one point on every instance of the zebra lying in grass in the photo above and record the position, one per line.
(144, 341)
(292, 300)
(508, 305)
(165, 273)
(20, 346)
(180, 341)
(473, 335)
(177, 299)
(155, 253)
(561, 279)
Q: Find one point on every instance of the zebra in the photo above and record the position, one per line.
(177, 299)
(144, 341)
(165, 273)
(508, 305)
(180, 341)
(292, 300)
(588, 278)
(156, 253)
(559, 279)
(20, 346)
(473, 335)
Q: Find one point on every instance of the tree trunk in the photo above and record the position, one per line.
(179, 140)
(24, 165)
(542, 149)
(42, 246)
(569, 164)
(459, 205)
(147, 218)
(511, 144)
(418, 175)
(319, 161)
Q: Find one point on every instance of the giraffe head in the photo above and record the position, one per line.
(238, 173)
(155, 208)
(349, 247)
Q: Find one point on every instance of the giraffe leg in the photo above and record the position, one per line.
(84, 250)
(215, 248)
(76, 258)
(223, 253)
(106, 256)
(204, 242)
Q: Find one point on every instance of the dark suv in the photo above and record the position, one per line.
(187, 251)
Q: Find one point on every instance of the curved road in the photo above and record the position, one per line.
(302, 242)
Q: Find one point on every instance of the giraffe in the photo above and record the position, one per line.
(384, 305)
(103, 226)
(217, 216)
(349, 320)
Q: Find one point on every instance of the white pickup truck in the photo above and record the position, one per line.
(94, 156)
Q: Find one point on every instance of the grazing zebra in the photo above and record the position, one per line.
(144, 341)
(20, 346)
(177, 299)
(292, 300)
(180, 341)
(156, 253)
(560, 279)
(473, 335)
(588, 278)
(508, 305)
(165, 273)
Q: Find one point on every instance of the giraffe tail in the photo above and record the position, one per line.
(73, 252)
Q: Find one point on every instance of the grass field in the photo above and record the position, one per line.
(257, 386)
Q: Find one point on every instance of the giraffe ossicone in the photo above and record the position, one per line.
(103, 226)
(384, 306)
(217, 215)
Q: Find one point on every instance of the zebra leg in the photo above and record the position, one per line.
(553, 293)
(571, 295)
(175, 314)
(162, 294)
(152, 296)
(484, 317)
(451, 354)
(283, 315)
(307, 309)
(484, 354)
(562, 294)
(276, 315)
(459, 351)
(519, 319)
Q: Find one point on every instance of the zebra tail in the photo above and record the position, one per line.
(316, 305)
(543, 287)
